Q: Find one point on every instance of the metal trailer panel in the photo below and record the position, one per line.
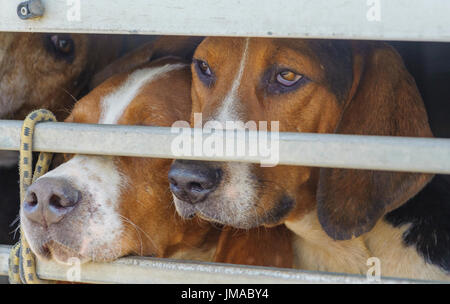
(419, 20)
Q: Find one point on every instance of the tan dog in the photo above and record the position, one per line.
(100, 208)
(338, 215)
(49, 70)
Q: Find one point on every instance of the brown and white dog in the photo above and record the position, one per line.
(53, 71)
(99, 208)
(43, 71)
(340, 217)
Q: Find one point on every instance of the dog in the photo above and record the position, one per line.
(100, 208)
(340, 217)
(40, 70)
(97, 208)
(53, 71)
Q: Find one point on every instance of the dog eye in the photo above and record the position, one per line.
(204, 68)
(62, 45)
(204, 72)
(288, 78)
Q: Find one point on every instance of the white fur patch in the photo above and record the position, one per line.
(240, 191)
(114, 104)
(228, 109)
(314, 250)
(97, 177)
(240, 188)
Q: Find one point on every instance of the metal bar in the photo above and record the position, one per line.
(420, 20)
(138, 270)
(4, 256)
(429, 155)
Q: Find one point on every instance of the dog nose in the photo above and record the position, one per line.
(193, 181)
(49, 200)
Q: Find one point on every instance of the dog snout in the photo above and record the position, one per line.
(193, 181)
(49, 200)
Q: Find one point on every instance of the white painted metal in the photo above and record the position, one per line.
(425, 20)
(4, 256)
(429, 155)
(152, 270)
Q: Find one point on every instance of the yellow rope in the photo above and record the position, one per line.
(22, 262)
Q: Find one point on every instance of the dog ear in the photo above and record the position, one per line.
(384, 100)
(271, 247)
(177, 46)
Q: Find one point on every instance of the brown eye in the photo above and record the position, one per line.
(62, 45)
(288, 78)
(204, 68)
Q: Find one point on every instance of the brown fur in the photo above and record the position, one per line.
(152, 227)
(144, 201)
(259, 246)
(352, 88)
(32, 77)
(178, 46)
(386, 102)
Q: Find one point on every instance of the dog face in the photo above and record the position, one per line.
(100, 208)
(48, 70)
(307, 86)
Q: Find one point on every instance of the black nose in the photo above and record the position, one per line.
(49, 200)
(192, 181)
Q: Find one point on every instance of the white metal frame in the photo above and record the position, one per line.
(138, 270)
(420, 20)
(417, 20)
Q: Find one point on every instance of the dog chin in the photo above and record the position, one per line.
(184, 209)
(187, 211)
(61, 254)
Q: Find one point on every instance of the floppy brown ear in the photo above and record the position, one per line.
(178, 46)
(384, 101)
(271, 247)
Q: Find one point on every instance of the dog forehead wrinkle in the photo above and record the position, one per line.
(114, 105)
(228, 109)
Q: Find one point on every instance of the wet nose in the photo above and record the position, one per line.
(193, 181)
(49, 200)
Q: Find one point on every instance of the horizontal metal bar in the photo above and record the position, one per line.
(421, 20)
(139, 270)
(429, 155)
(4, 256)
